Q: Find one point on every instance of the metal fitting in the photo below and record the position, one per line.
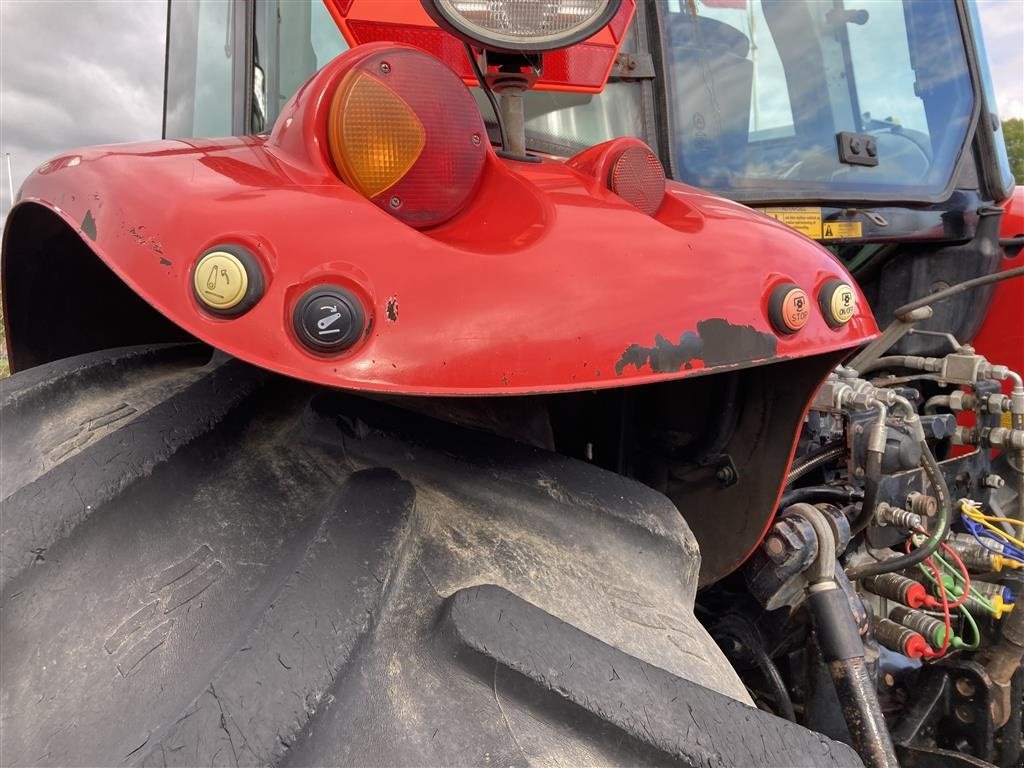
(997, 403)
(1000, 437)
(993, 481)
(878, 433)
(964, 436)
(1017, 402)
(960, 400)
(964, 366)
(922, 504)
(896, 517)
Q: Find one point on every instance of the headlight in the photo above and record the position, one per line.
(522, 25)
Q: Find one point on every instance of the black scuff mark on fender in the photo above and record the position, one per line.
(165, 262)
(89, 225)
(392, 309)
(369, 329)
(725, 343)
(717, 342)
(664, 356)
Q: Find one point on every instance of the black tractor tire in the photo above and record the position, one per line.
(206, 564)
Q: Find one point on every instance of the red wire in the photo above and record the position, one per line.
(932, 602)
(932, 654)
(963, 572)
(945, 611)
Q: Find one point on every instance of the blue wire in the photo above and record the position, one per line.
(979, 532)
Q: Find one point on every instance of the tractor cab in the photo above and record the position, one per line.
(757, 100)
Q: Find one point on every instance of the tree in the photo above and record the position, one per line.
(1013, 135)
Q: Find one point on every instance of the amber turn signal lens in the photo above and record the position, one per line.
(406, 133)
(375, 138)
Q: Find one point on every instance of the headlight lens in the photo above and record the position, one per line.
(522, 25)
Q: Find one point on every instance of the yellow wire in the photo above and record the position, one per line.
(978, 516)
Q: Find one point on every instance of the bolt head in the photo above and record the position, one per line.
(725, 475)
(966, 687)
(964, 713)
(775, 548)
(395, 202)
(385, 67)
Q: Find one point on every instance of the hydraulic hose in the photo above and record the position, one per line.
(744, 634)
(809, 463)
(931, 469)
(775, 681)
(817, 493)
(843, 650)
(873, 467)
(872, 480)
(892, 361)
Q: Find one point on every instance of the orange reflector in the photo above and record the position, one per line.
(375, 136)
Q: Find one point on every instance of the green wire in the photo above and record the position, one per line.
(974, 630)
(984, 601)
(974, 593)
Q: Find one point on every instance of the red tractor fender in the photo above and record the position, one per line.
(546, 282)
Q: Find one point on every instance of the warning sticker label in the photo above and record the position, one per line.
(836, 229)
(807, 221)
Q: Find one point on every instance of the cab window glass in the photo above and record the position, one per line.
(759, 89)
(199, 71)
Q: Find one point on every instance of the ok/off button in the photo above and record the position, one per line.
(328, 319)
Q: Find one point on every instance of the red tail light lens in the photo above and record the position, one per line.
(638, 177)
(405, 132)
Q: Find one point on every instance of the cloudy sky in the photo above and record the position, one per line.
(80, 72)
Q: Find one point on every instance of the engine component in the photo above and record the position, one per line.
(893, 586)
(933, 630)
(842, 648)
(889, 429)
(900, 518)
(898, 638)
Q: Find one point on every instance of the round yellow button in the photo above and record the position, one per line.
(220, 280)
(843, 304)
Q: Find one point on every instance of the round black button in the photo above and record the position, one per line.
(328, 319)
